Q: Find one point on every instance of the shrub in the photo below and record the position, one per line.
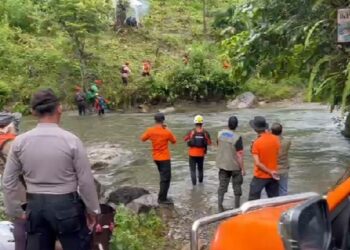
(137, 232)
(203, 78)
(5, 92)
(270, 90)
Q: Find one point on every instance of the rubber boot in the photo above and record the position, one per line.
(220, 201)
(237, 201)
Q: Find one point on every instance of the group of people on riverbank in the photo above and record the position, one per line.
(269, 151)
(90, 100)
(47, 169)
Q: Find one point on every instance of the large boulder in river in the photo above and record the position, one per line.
(143, 108)
(167, 110)
(125, 195)
(143, 204)
(103, 155)
(245, 100)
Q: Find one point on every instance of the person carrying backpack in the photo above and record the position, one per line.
(197, 140)
(125, 73)
(8, 131)
(100, 105)
(80, 99)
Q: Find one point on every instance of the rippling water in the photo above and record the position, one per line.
(318, 156)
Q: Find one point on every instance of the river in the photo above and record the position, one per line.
(318, 156)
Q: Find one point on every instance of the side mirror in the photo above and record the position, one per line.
(307, 226)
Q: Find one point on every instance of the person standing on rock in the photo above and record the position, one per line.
(265, 150)
(198, 140)
(160, 136)
(229, 160)
(55, 166)
(283, 162)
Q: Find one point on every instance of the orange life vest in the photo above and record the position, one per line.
(5, 138)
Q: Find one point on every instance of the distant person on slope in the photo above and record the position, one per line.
(229, 160)
(197, 140)
(125, 73)
(283, 162)
(160, 136)
(146, 68)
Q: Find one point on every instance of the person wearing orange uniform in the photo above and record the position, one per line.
(146, 69)
(198, 140)
(226, 64)
(160, 136)
(265, 151)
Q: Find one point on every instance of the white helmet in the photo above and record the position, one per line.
(198, 119)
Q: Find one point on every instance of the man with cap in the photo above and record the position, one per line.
(265, 150)
(197, 140)
(55, 166)
(160, 136)
(229, 160)
(8, 124)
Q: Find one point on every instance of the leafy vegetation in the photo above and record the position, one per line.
(136, 232)
(274, 49)
(276, 40)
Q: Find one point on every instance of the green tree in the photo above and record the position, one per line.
(4, 94)
(80, 20)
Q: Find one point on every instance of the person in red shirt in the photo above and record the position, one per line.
(265, 151)
(198, 140)
(160, 136)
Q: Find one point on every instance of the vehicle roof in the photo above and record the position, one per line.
(250, 231)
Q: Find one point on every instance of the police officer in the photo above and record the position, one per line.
(54, 165)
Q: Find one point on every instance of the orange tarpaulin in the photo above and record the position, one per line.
(98, 82)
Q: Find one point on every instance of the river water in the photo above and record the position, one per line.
(318, 156)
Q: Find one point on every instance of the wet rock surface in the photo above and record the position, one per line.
(144, 204)
(179, 222)
(104, 155)
(245, 100)
(125, 195)
(167, 110)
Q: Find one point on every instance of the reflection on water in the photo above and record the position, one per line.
(318, 156)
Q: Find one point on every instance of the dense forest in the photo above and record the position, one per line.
(273, 48)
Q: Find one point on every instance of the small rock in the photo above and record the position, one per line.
(143, 204)
(99, 165)
(201, 245)
(125, 195)
(167, 110)
(262, 103)
(143, 108)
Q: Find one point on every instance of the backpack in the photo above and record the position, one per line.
(123, 70)
(4, 138)
(198, 139)
(101, 102)
(80, 97)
